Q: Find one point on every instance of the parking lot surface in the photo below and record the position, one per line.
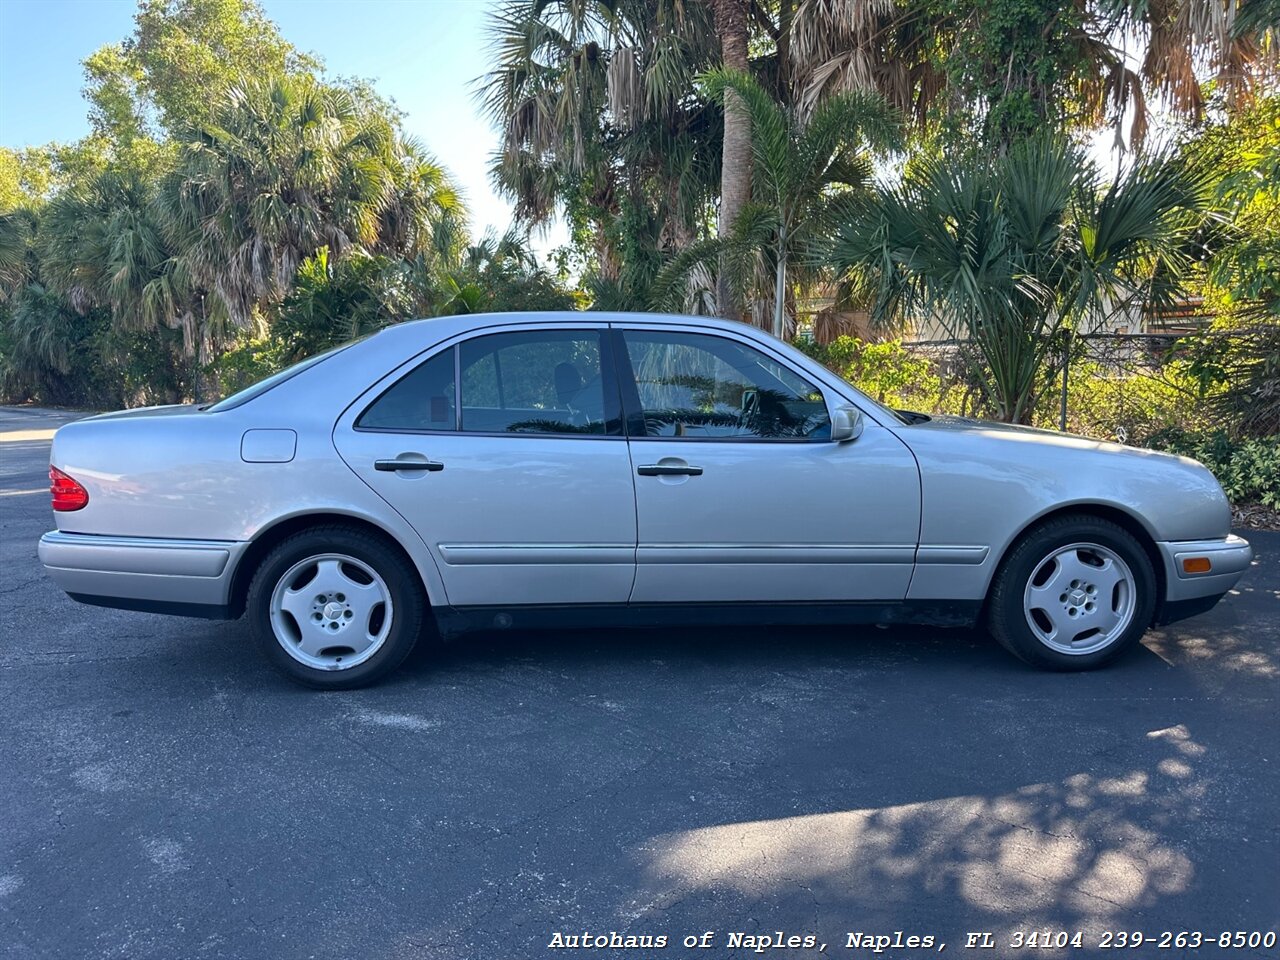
(164, 794)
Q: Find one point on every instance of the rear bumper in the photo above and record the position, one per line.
(1187, 594)
(191, 577)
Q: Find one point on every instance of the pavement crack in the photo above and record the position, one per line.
(373, 754)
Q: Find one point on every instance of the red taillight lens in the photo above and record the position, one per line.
(67, 493)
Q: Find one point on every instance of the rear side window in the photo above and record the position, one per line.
(538, 382)
(422, 400)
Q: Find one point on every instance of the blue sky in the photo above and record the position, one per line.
(422, 53)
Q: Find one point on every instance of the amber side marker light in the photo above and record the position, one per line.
(1196, 565)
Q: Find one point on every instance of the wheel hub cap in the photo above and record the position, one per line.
(1080, 598)
(331, 611)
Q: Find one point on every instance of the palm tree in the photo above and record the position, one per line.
(593, 101)
(501, 273)
(104, 246)
(289, 166)
(735, 157)
(805, 169)
(918, 56)
(1011, 249)
(17, 230)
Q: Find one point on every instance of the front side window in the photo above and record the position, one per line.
(701, 386)
(537, 382)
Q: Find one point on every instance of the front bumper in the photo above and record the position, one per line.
(1187, 594)
(1228, 559)
(190, 577)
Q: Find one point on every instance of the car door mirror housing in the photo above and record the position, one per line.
(846, 424)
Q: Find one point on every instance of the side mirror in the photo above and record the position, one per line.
(846, 424)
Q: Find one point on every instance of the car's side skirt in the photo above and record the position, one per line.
(458, 620)
(942, 613)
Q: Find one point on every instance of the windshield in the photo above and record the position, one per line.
(262, 386)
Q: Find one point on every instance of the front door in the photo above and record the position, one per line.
(741, 495)
(505, 452)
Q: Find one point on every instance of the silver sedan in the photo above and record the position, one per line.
(518, 470)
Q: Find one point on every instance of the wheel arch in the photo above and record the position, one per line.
(268, 537)
(1122, 518)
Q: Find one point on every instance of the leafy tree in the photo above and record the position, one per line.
(26, 176)
(117, 109)
(1017, 65)
(1246, 150)
(181, 57)
(501, 274)
(1010, 249)
(887, 371)
(332, 301)
(1240, 356)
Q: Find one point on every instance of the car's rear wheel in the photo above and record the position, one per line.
(335, 607)
(1074, 593)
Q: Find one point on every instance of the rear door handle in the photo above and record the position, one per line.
(669, 470)
(393, 466)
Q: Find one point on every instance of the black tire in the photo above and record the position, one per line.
(408, 604)
(1007, 616)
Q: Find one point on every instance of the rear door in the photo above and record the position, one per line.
(506, 453)
(741, 495)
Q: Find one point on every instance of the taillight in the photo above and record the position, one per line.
(67, 493)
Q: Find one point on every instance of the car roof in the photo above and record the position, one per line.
(572, 316)
(435, 329)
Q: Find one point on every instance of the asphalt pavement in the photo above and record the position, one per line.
(164, 794)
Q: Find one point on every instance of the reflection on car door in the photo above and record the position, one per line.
(740, 493)
(506, 453)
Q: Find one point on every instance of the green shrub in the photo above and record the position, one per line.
(54, 355)
(248, 360)
(1129, 407)
(1248, 470)
(887, 372)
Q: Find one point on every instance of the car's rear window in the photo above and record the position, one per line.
(262, 386)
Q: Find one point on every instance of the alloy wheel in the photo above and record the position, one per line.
(1080, 598)
(331, 611)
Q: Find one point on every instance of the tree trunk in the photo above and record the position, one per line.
(780, 295)
(784, 50)
(735, 163)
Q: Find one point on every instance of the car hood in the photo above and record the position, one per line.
(987, 470)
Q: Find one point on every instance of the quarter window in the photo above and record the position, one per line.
(706, 387)
(422, 400)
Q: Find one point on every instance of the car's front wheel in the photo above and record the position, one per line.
(1073, 594)
(335, 607)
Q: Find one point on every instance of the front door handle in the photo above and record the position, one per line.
(669, 470)
(393, 466)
